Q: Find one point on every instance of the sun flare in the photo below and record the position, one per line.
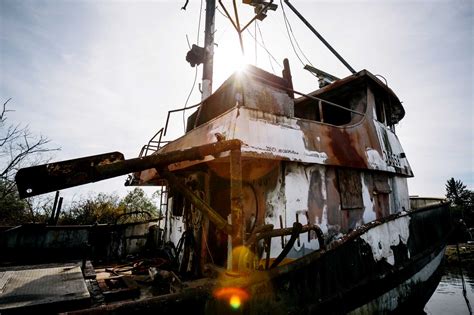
(229, 60)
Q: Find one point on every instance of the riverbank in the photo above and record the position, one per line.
(466, 254)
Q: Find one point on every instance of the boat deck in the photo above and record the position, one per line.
(33, 287)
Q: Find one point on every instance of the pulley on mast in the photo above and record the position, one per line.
(261, 8)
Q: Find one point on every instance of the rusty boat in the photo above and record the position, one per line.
(276, 201)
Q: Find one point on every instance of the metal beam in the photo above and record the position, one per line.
(200, 204)
(321, 38)
(32, 181)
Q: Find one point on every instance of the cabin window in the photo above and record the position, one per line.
(336, 116)
(350, 189)
(383, 109)
(381, 194)
(335, 108)
(380, 110)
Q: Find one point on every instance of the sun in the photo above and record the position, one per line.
(228, 58)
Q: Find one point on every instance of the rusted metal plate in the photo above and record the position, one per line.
(49, 288)
(350, 189)
(268, 136)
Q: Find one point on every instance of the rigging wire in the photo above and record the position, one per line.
(199, 23)
(219, 10)
(262, 44)
(255, 43)
(289, 31)
(196, 72)
(189, 96)
(266, 50)
(222, 33)
(187, 40)
(264, 47)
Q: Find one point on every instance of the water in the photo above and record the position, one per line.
(448, 297)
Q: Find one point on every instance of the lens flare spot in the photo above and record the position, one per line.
(234, 296)
(235, 302)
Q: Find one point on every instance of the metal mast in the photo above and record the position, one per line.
(209, 49)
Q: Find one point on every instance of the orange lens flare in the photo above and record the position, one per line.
(235, 296)
(235, 302)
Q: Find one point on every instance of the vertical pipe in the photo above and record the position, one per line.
(298, 221)
(282, 237)
(166, 236)
(307, 222)
(287, 76)
(230, 258)
(209, 47)
(236, 198)
(320, 107)
(205, 228)
(58, 210)
(55, 204)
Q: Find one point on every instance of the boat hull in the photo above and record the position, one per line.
(382, 267)
(410, 295)
(366, 272)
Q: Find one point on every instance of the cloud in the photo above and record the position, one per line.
(100, 76)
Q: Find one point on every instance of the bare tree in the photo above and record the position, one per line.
(19, 147)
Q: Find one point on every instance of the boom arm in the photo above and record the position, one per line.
(36, 180)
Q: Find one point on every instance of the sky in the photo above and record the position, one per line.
(100, 76)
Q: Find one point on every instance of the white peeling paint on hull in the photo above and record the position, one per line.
(381, 238)
(392, 299)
